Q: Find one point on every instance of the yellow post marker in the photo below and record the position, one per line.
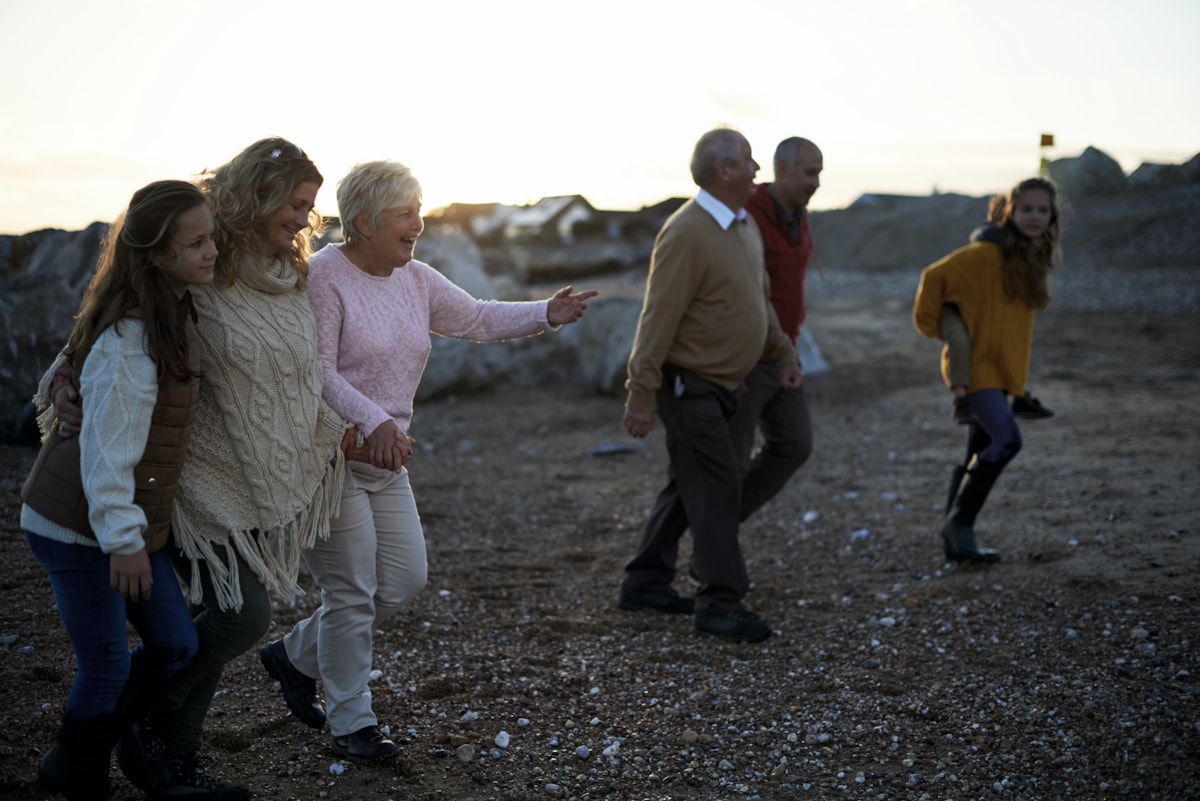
(1044, 162)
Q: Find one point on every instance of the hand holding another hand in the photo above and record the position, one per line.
(389, 448)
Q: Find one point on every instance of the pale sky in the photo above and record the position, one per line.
(512, 101)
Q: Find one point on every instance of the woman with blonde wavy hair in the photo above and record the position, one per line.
(995, 285)
(264, 471)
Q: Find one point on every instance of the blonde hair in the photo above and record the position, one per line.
(243, 193)
(370, 188)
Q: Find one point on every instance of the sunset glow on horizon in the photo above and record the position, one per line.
(491, 103)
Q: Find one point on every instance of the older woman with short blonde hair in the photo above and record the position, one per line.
(376, 307)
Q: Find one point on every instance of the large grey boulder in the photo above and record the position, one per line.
(1155, 174)
(1092, 172)
(42, 279)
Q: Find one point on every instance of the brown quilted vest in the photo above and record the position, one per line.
(54, 488)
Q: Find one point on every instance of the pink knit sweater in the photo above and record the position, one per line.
(373, 332)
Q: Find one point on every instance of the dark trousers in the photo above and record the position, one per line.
(782, 416)
(223, 634)
(703, 492)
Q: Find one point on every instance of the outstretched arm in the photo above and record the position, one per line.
(565, 308)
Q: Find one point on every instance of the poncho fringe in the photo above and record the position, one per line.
(274, 556)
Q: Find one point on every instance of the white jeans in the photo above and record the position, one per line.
(373, 562)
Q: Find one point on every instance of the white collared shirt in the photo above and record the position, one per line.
(720, 212)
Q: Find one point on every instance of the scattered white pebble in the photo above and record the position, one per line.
(443, 593)
(502, 739)
(376, 675)
(468, 716)
(337, 768)
(582, 752)
(811, 516)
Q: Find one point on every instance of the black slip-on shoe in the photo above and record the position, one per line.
(740, 626)
(667, 601)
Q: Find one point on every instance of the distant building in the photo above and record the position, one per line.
(557, 220)
(551, 218)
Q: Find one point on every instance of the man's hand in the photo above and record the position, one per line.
(638, 424)
(791, 377)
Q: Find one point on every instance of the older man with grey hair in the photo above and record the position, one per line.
(706, 320)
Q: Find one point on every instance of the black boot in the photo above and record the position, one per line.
(190, 783)
(77, 766)
(142, 754)
(958, 532)
(956, 477)
(141, 750)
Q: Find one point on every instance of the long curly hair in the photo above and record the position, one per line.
(1027, 263)
(128, 279)
(245, 192)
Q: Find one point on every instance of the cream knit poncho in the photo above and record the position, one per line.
(264, 471)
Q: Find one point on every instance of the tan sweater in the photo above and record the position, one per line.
(706, 308)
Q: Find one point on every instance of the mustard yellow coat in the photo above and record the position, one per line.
(1001, 330)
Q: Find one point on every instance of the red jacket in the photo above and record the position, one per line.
(787, 260)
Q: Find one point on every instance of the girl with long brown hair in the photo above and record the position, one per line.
(97, 508)
(996, 285)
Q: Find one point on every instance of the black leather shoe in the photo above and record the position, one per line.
(740, 626)
(299, 691)
(365, 746)
(667, 601)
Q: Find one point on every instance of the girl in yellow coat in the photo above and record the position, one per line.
(996, 287)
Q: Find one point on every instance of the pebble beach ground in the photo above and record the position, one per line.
(1068, 671)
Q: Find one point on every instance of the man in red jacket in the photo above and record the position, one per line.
(781, 211)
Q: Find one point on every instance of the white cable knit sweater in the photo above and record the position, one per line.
(264, 471)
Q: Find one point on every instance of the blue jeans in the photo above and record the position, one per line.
(95, 616)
